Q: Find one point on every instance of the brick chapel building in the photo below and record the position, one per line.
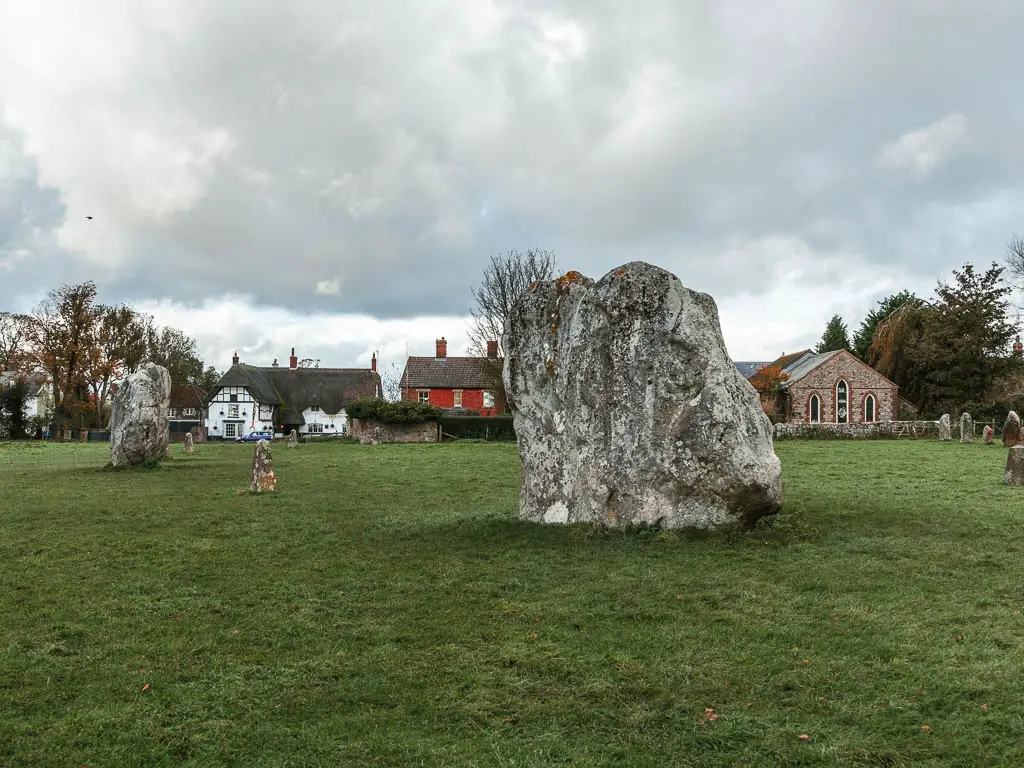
(829, 388)
(460, 383)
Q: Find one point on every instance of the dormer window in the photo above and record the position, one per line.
(314, 409)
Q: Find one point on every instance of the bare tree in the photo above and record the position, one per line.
(1015, 256)
(14, 341)
(391, 384)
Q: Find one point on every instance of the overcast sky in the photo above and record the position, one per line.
(333, 174)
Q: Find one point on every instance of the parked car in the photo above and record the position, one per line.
(252, 437)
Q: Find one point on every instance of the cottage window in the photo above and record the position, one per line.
(457, 398)
(869, 408)
(189, 411)
(815, 409)
(315, 429)
(842, 402)
(230, 430)
(314, 409)
(488, 399)
(232, 411)
(423, 395)
(172, 412)
(233, 398)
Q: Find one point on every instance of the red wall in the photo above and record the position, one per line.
(472, 399)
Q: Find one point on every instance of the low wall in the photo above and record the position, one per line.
(371, 432)
(879, 429)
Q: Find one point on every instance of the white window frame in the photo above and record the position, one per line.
(233, 410)
(189, 412)
(231, 429)
(874, 409)
(314, 409)
(423, 395)
(488, 399)
(172, 413)
(456, 398)
(846, 404)
(316, 428)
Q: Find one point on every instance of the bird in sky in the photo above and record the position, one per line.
(88, 217)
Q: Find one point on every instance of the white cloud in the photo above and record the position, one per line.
(925, 150)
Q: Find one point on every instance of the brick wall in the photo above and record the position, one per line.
(472, 399)
(862, 381)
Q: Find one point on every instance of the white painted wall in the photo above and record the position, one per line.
(220, 413)
(332, 423)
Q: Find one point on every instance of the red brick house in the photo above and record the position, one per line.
(468, 383)
(833, 388)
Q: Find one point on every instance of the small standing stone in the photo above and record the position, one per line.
(988, 435)
(1014, 474)
(263, 479)
(1011, 430)
(189, 445)
(966, 428)
(945, 428)
(293, 439)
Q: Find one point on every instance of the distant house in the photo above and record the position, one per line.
(187, 411)
(275, 399)
(38, 396)
(829, 388)
(456, 383)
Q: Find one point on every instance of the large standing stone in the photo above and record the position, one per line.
(138, 419)
(293, 439)
(189, 445)
(1014, 473)
(262, 479)
(945, 428)
(1011, 430)
(988, 435)
(966, 428)
(628, 409)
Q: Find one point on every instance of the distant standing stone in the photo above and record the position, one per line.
(263, 479)
(293, 439)
(1014, 474)
(138, 419)
(988, 435)
(1011, 430)
(966, 428)
(189, 445)
(945, 428)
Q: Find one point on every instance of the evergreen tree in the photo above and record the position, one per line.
(835, 336)
(866, 333)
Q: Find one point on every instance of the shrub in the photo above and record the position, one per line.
(402, 412)
(498, 428)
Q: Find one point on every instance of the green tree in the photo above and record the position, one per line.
(866, 333)
(835, 336)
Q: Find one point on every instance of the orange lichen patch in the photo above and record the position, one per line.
(568, 279)
(550, 365)
(266, 483)
(532, 286)
(619, 272)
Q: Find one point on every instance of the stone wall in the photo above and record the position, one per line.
(371, 432)
(862, 381)
(882, 429)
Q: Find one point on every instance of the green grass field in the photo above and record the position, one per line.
(387, 608)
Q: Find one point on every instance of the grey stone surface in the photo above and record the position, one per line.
(1011, 430)
(190, 446)
(628, 409)
(262, 479)
(1014, 473)
(138, 419)
(293, 439)
(945, 428)
(966, 428)
(988, 435)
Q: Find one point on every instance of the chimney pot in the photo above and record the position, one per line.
(492, 348)
(293, 361)
(234, 358)
(373, 362)
(442, 347)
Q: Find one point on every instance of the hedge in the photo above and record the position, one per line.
(402, 412)
(478, 428)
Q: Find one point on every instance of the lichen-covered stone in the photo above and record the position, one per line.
(138, 419)
(293, 439)
(1011, 430)
(966, 428)
(988, 435)
(628, 409)
(263, 479)
(1014, 473)
(945, 428)
(189, 445)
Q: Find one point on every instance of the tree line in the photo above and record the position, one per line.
(948, 352)
(81, 347)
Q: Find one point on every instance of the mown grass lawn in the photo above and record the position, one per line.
(387, 608)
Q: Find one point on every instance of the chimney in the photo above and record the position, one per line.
(274, 364)
(442, 348)
(492, 349)
(373, 362)
(293, 361)
(234, 359)
(1018, 348)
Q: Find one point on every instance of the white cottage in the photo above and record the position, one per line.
(275, 399)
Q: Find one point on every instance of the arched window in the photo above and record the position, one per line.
(869, 408)
(814, 409)
(842, 402)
